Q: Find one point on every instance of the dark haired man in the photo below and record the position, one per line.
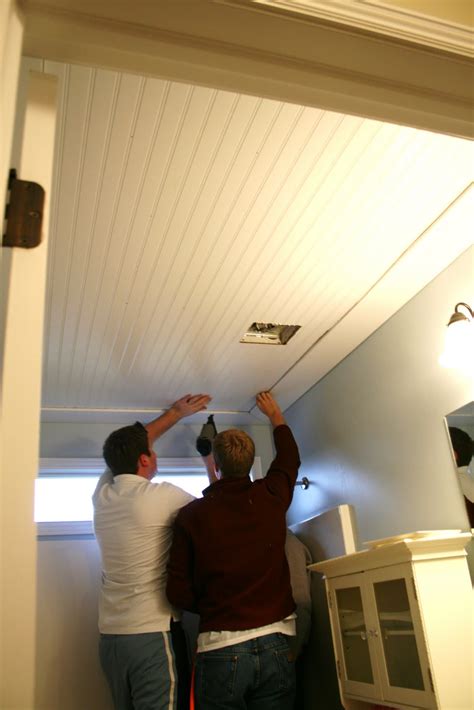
(227, 563)
(133, 521)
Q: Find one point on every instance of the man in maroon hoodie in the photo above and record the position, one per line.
(228, 564)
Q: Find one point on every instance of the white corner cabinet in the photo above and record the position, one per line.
(402, 623)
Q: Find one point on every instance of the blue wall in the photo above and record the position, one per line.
(372, 432)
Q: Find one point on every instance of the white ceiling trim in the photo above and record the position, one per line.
(125, 416)
(379, 16)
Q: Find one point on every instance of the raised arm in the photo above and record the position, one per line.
(183, 407)
(269, 406)
(281, 477)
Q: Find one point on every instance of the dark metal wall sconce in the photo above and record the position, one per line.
(459, 316)
(304, 483)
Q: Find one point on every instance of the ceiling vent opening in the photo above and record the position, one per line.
(269, 334)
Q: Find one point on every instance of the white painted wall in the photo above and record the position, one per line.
(68, 673)
(372, 432)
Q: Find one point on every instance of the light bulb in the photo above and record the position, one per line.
(459, 346)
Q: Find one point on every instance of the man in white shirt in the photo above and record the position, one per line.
(133, 521)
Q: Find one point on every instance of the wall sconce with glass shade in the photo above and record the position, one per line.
(459, 340)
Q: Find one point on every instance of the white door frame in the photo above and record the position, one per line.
(23, 278)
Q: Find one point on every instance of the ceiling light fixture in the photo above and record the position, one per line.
(459, 341)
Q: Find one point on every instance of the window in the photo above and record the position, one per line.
(64, 488)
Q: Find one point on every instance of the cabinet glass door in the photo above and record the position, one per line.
(354, 635)
(403, 661)
(356, 656)
(398, 635)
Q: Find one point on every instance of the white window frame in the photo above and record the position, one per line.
(50, 467)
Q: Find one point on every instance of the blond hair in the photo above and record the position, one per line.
(234, 452)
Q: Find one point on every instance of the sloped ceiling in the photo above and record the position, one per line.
(182, 214)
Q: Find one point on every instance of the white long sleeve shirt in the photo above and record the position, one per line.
(133, 521)
(467, 482)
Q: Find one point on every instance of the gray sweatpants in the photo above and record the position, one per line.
(140, 670)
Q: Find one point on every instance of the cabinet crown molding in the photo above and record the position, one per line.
(443, 545)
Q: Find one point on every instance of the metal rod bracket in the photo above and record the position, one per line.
(304, 483)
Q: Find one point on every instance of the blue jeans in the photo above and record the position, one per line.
(140, 670)
(254, 675)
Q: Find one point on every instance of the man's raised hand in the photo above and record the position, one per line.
(190, 404)
(269, 406)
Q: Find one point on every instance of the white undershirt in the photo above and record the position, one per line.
(467, 482)
(211, 640)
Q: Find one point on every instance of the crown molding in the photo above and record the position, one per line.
(68, 415)
(375, 16)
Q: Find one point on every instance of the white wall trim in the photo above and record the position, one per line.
(96, 465)
(69, 529)
(381, 17)
(125, 416)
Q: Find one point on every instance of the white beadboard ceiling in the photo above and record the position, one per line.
(181, 214)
